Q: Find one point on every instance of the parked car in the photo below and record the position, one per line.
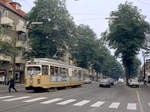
(105, 83)
(133, 83)
(87, 81)
(112, 81)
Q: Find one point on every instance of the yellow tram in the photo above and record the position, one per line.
(44, 73)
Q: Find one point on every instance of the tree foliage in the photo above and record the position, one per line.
(56, 32)
(127, 34)
(91, 52)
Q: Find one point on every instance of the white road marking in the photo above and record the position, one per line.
(114, 105)
(51, 101)
(19, 98)
(35, 99)
(66, 102)
(81, 103)
(131, 106)
(3, 97)
(148, 104)
(97, 104)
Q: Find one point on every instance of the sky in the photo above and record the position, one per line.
(94, 12)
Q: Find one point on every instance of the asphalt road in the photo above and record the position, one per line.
(88, 98)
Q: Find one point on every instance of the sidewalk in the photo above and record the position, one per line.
(4, 87)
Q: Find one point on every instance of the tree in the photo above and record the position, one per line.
(91, 52)
(127, 34)
(57, 32)
(85, 46)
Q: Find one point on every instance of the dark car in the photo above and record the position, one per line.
(105, 83)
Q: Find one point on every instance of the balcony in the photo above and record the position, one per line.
(20, 59)
(21, 28)
(20, 43)
(6, 21)
(5, 58)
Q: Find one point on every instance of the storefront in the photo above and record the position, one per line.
(2, 77)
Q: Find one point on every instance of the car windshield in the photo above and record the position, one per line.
(134, 81)
(104, 80)
(33, 70)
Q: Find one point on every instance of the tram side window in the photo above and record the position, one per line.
(80, 75)
(75, 75)
(44, 69)
(52, 72)
(57, 74)
(64, 74)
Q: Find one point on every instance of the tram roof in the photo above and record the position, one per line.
(39, 61)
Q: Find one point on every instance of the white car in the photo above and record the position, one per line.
(133, 83)
(87, 81)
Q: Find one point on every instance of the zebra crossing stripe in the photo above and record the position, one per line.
(3, 97)
(131, 106)
(19, 98)
(35, 99)
(114, 105)
(148, 104)
(51, 101)
(97, 104)
(81, 103)
(66, 102)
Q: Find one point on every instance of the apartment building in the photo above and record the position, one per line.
(13, 29)
(147, 70)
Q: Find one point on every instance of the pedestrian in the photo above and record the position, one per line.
(11, 84)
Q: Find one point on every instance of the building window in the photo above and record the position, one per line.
(22, 36)
(5, 13)
(1, 12)
(21, 22)
(18, 7)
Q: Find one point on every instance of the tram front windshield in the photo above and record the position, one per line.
(34, 70)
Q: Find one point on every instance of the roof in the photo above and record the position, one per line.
(36, 61)
(12, 6)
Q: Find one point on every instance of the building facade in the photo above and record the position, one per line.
(147, 71)
(13, 30)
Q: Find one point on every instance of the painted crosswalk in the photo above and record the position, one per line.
(3, 97)
(18, 98)
(51, 101)
(35, 99)
(71, 102)
(97, 104)
(131, 106)
(67, 102)
(81, 103)
(114, 105)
